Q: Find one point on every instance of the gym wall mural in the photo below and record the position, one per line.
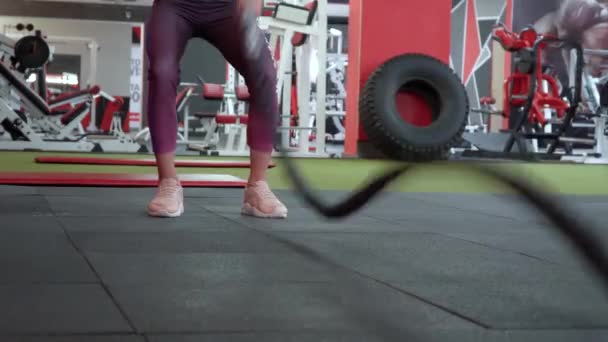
(583, 21)
(472, 23)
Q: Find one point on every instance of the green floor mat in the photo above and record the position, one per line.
(345, 174)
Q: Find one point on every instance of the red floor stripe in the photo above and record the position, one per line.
(116, 179)
(142, 162)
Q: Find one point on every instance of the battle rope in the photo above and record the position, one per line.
(573, 229)
(563, 221)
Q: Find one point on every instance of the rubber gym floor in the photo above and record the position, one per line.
(443, 256)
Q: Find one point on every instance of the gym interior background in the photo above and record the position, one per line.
(443, 255)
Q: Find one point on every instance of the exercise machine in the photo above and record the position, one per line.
(20, 106)
(31, 122)
(296, 30)
(542, 113)
(303, 37)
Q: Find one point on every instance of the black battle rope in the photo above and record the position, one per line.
(387, 327)
(563, 221)
(573, 229)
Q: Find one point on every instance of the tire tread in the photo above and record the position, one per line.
(382, 138)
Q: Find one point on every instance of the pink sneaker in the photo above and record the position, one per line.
(169, 199)
(261, 202)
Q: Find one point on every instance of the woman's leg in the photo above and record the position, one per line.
(167, 34)
(261, 77)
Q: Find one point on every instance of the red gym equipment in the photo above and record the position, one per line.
(518, 84)
(524, 90)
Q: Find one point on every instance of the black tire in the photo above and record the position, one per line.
(433, 81)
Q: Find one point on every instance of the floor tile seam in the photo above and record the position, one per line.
(104, 286)
(53, 334)
(47, 283)
(476, 211)
(506, 250)
(315, 256)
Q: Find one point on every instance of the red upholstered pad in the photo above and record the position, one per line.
(116, 179)
(486, 100)
(73, 114)
(242, 93)
(202, 115)
(213, 91)
(142, 162)
(90, 91)
(298, 38)
(119, 101)
(60, 111)
(231, 119)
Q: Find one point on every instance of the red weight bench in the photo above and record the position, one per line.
(213, 92)
(69, 118)
(242, 93)
(223, 119)
(111, 110)
(67, 101)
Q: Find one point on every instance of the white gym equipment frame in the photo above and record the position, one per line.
(233, 134)
(12, 98)
(317, 40)
(337, 64)
(93, 48)
(42, 131)
(281, 32)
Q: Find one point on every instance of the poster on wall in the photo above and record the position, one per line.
(136, 86)
(583, 21)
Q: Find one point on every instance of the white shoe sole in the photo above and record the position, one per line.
(251, 211)
(178, 213)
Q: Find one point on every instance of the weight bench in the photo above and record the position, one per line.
(67, 101)
(55, 137)
(242, 93)
(232, 122)
(213, 92)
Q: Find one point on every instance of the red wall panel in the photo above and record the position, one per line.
(382, 29)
